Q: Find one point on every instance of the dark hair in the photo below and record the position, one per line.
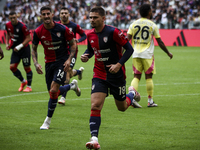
(12, 13)
(45, 8)
(98, 9)
(64, 8)
(144, 10)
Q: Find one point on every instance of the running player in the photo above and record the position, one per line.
(106, 42)
(55, 38)
(75, 28)
(19, 36)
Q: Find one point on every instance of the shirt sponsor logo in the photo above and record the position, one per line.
(103, 59)
(46, 42)
(53, 48)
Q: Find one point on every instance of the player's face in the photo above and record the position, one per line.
(46, 16)
(64, 15)
(13, 19)
(96, 20)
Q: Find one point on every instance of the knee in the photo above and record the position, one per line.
(122, 109)
(27, 69)
(13, 67)
(53, 94)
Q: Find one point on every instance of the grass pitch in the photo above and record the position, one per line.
(173, 125)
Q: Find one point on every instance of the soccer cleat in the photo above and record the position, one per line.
(46, 124)
(74, 86)
(135, 93)
(80, 75)
(93, 144)
(62, 101)
(135, 104)
(152, 105)
(22, 86)
(27, 89)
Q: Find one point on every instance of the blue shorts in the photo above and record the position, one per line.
(55, 72)
(117, 89)
(23, 54)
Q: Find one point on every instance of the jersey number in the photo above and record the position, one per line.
(60, 73)
(122, 90)
(144, 33)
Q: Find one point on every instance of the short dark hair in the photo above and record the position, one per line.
(45, 8)
(64, 8)
(144, 10)
(98, 9)
(12, 13)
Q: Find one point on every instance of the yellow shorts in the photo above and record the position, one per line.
(140, 64)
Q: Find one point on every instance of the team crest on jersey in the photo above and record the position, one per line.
(58, 34)
(17, 30)
(70, 29)
(105, 39)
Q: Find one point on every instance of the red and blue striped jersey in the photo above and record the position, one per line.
(55, 41)
(17, 33)
(107, 48)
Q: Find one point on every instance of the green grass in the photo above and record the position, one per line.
(173, 125)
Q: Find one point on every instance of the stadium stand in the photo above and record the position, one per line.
(167, 14)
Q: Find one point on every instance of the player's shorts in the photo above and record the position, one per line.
(23, 54)
(55, 72)
(118, 91)
(140, 64)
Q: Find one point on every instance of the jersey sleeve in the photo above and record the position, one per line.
(130, 31)
(119, 37)
(35, 39)
(79, 30)
(25, 30)
(156, 32)
(69, 35)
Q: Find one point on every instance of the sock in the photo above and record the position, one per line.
(149, 87)
(52, 103)
(18, 75)
(29, 76)
(78, 72)
(64, 89)
(135, 83)
(129, 98)
(95, 122)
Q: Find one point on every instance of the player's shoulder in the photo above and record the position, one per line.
(8, 23)
(39, 28)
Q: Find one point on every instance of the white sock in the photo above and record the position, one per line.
(94, 138)
(150, 100)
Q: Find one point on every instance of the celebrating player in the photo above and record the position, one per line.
(55, 38)
(75, 28)
(141, 32)
(106, 42)
(19, 36)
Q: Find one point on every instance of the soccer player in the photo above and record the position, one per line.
(141, 33)
(75, 28)
(55, 38)
(1, 53)
(19, 36)
(106, 42)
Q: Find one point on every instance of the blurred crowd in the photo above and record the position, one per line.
(167, 14)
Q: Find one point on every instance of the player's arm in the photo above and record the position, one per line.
(87, 54)
(72, 44)
(163, 47)
(7, 41)
(83, 37)
(1, 53)
(38, 67)
(129, 37)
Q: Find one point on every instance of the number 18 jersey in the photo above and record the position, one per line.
(142, 31)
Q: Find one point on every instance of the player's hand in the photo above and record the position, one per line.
(170, 55)
(7, 47)
(38, 68)
(66, 65)
(114, 68)
(76, 40)
(84, 57)
(16, 50)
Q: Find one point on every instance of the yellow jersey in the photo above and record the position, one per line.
(142, 31)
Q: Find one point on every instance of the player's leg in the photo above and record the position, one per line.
(137, 69)
(149, 68)
(99, 93)
(26, 63)
(15, 59)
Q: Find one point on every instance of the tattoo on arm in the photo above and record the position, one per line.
(34, 53)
